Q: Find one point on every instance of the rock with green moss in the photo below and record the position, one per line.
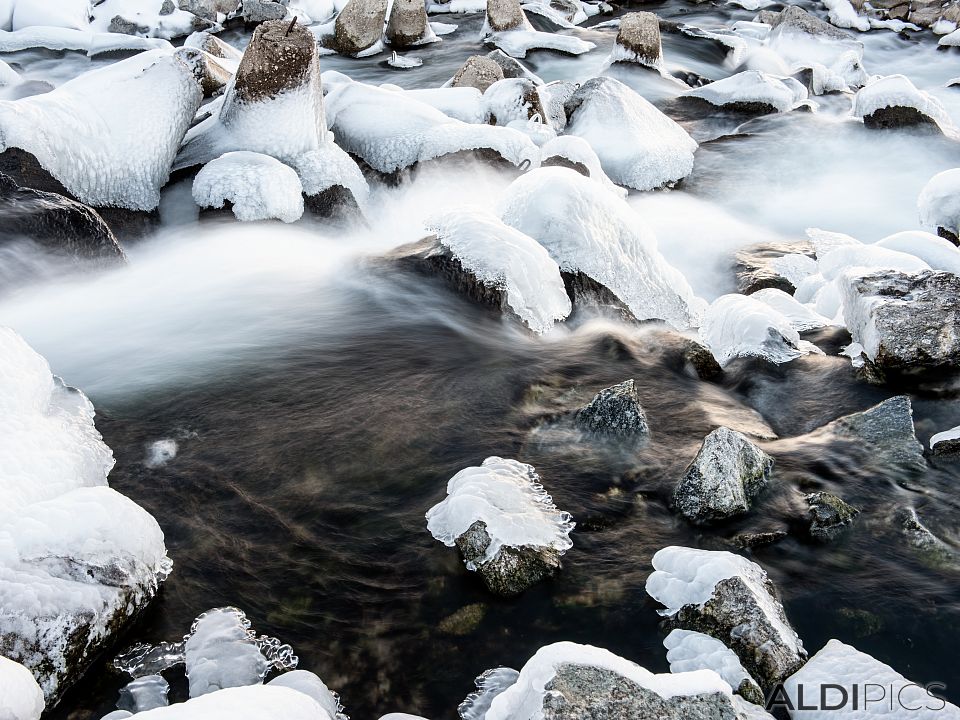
(829, 515)
(464, 621)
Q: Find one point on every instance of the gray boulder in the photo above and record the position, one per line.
(123, 26)
(639, 39)
(505, 15)
(885, 431)
(513, 569)
(728, 472)
(511, 67)
(829, 515)
(615, 411)
(479, 71)
(258, 11)
(922, 538)
(772, 265)
(794, 18)
(209, 9)
(408, 24)
(359, 26)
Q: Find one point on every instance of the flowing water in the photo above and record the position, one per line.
(319, 402)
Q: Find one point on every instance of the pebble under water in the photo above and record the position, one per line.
(318, 401)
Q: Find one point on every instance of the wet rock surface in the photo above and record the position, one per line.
(513, 569)
(614, 412)
(829, 515)
(280, 57)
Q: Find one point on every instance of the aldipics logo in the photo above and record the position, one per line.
(908, 697)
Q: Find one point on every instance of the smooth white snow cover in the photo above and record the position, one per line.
(145, 14)
(505, 100)
(950, 40)
(741, 326)
(578, 150)
(461, 103)
(259, 186)
(20, 696)
(638, 145)
(311, 685)
(753, 86)
(800, 316)
(689, 650)
(72, 14)
(524, 699)
(508, 497)
(501, 256)
(69, 39)
(517, 43)
(391, 130)
(844, 665)
(935, 251)
(588, 229)
(110, 135)
(951, 434)
(329, 166)
(253, 702)
(939, 201)
(898, 91)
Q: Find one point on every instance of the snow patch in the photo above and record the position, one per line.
(259, 186)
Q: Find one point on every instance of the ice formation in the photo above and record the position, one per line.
(638, 145)
(842, 665)
(499, 255)
(800, 316)
(939, 201)
(144, 693)
(20, 696)
(146, 17)
(20, 14)
(253, 702)
(506, 495)
(110, 135)
(741, 326)
(75, 555)
(578, 151)
(221, 653)
(93, 43)
(489, 684)
(935, 251)
(524, 699)
(259, 187)
(517, 43)
(588, 229)
(898, 91)
(160, 452)
(391, 130)
(688, 650)
(755, 88)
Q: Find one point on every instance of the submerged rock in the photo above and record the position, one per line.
(638, 40)
(829, 515)
(478, 71)
(359, 26)
(728, 472)
(773, 265)
(408, 24)
(921, 537)
(885, 431)
(615, 411)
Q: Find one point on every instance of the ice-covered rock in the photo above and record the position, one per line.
(21, 698)
(255, 12)
(939, 204)
(829, 515)
(752, 92)
(638, 145)
(392, 130)
(513, 99)
(477, 71)
(773, 265)
(937, 252)
(489, 684)
(575, 153)
(512, 67)
(614, 411)
(731, 599)
(728, 472)
(110, 136)
(794, 19)
(253, 702)
(801, 317)
(907, 323)
(638, 40)
(688, 651)
(221, 653)
(504, 524)
(741, 326)
(220, 61)
(885, 431)
(408, 26)
(257, 186)
(801, 39)
(359, 26)
(492, 264)
(77, 559)
(946, 442)
(894, 102)
(592, 232)
(146, 18)
(507, 27)
(837, 665)
(567, 681)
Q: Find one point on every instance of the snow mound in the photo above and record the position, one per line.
(588, 229)
(145, 15)
(577, 150)
(638, 145)
(71, 14)
(939, 201)
(508, 498)
(741, 326)
(517, 43)
(501, 256)
(935, 251)
(688, 650)
(755, 87)
(220, 653)
(898, 91)
(844, 665)
(21, 698)
(392, 130)
(110, 135)
(259, 186)
(524, 699)
(93, 43)
(253, 702)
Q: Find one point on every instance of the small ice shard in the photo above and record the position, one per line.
(402, 62)
(258, 187)
(939, 204)
(490, 684)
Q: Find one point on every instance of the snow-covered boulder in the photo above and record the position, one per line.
(688, 651)
(937, 252)
(884, 431)
(391, 130)
(257, 186)
(493, 264)
(728, 472)
(752, 92)
(58, 224)
(567, 681)
(638, 40)
(801, 317)
(592, 232)
(939, 204)
(615, 412)
(504, 524)
(574, 152)
(252, 702)
(638, 145)
(513, 99)
(20, 696)
(946, 442)
(506, 26)
(358, 29)
(801, 39)
(77, 560)
(20, 14)
(220, 653)
(477, 71)
(829, 515)
(741, 326)
(731, 599)
(408, 25)
(110, 136)
(147, 18)
(839, 665)
(220, 61)
(894, 102)
(773, 265)
(906, 323)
